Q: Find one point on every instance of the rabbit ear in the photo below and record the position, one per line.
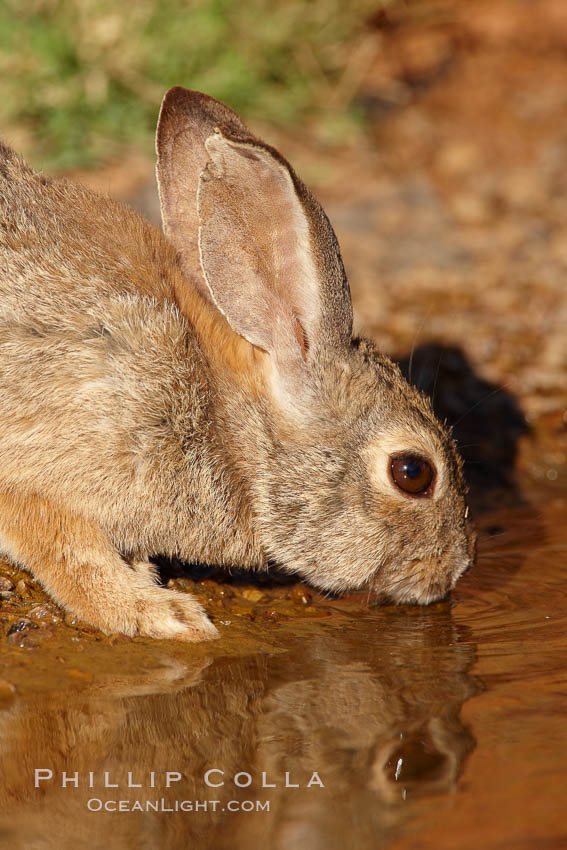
(254, 246)
(266, 269)
(186, 120)
(269, 259)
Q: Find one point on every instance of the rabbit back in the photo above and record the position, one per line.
(64, 249)
(106, 394)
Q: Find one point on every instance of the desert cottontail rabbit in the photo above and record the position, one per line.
(199, 394)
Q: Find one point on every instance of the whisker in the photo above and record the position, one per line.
(435, 380)
(407, 582)
(409, 589)
(480, 401)
(485, 535)
(415, 338)
(502, 555)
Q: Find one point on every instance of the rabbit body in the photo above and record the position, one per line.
(106, 392)
(166, 394)
(106, 407)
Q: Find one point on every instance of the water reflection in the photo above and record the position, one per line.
(369, 706)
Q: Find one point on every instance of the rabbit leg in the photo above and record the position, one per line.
(80, 568)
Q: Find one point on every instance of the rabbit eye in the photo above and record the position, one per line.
(412, 474)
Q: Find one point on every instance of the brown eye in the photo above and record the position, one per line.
(412, 474)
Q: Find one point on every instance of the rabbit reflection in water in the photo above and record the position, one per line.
(199, 394)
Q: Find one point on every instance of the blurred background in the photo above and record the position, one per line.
(433, 131)
(83, 78)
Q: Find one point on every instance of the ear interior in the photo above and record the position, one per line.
(254, 245)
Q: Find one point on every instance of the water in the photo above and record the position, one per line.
(436, 727)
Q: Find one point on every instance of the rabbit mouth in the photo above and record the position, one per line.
(422, 582)
(416, 592)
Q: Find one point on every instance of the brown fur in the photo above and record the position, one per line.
(145, 411)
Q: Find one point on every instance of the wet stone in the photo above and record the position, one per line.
(252, 594)
(22, 588)
(274, 616)
(23, 633)
(45, 613)
(21, 625)
(301, 594)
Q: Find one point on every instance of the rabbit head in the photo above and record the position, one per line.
(351, 478)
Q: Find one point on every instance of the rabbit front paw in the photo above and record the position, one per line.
(161, 613)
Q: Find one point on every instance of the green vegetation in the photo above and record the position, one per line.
(81, 78)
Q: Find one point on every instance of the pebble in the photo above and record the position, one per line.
(253, 594)
(70, 619)
(20, 632)
(301, 594)
(274, 616)
(117, 638)
(21, 625)
(46, 613)
(6, 584)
